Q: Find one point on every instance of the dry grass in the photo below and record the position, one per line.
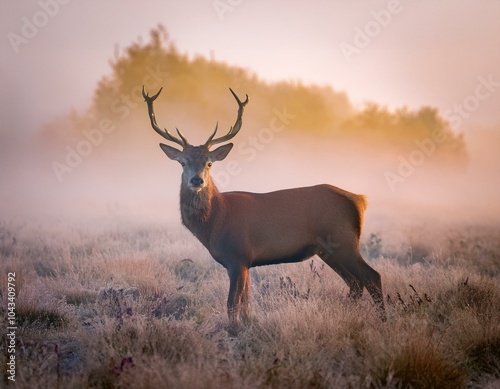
(144, 306)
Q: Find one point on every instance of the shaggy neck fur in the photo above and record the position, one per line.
(199, 209)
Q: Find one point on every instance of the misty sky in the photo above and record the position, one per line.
(420, 52)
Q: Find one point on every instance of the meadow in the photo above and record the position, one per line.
(142, 305)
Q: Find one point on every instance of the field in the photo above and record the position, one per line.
(143, 306)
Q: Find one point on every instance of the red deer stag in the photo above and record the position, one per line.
(242, 230)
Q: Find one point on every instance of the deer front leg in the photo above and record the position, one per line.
(239, 284)
(245, 297)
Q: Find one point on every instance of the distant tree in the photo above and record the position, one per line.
(196, 92)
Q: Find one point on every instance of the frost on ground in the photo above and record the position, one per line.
(135, 306)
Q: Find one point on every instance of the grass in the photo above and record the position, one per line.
(144, 306)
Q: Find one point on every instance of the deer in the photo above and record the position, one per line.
(242, 230)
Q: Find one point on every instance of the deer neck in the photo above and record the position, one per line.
(200, 211)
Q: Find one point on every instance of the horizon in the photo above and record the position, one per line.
(56, 72)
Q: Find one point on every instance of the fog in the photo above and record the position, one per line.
(103, 162)
(138, 182)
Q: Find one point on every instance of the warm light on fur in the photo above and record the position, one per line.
(242, 230)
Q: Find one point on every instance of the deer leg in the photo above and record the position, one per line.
(370, 279)
(245, 297)
(237, 280)
(373, 283)
(355, 286)
(357, 274)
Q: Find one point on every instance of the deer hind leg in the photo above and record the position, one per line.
(371, 280)
(239, 284)
(357, 274)
(350, 278)
(373, 283)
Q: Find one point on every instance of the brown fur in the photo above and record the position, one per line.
(242, 230)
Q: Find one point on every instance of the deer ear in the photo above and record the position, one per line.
(221, 152)
(171, 152)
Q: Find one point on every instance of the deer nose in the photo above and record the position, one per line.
(197, 181)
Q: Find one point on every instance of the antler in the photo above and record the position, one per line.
(164, 133)
(234, 129)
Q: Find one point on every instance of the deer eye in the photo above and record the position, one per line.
(209, 164)
(183, 164)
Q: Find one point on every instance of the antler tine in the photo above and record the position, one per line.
(213, 134)
(183, 138)
(164, 133)
(234, 129)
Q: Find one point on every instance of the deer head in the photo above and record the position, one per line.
(196, 161)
